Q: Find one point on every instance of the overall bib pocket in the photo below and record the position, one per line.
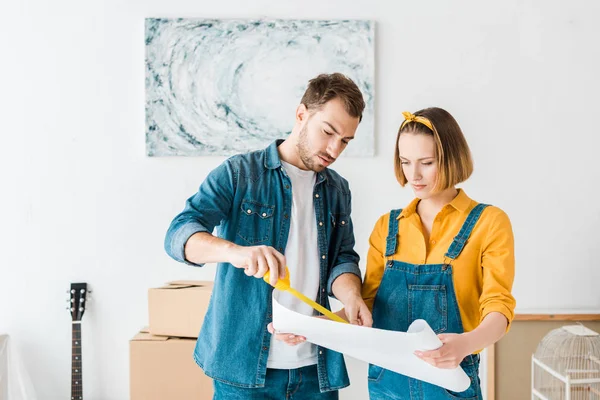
(429, 302)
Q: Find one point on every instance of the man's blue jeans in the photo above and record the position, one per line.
(280, 384)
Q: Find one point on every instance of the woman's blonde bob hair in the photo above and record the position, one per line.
(454, 161)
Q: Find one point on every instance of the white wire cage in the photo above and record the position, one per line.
(566, 365)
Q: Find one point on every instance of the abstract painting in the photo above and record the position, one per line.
(222, 87)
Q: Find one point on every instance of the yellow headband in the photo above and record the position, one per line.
(409, 117)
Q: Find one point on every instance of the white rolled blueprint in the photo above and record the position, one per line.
(391, 350)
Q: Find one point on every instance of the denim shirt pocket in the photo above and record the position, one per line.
(339, 220)
(338, 229)
(256, 222)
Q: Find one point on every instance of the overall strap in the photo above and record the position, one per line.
(392, 237)
(465, 231)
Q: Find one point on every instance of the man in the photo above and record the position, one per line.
(277, 207)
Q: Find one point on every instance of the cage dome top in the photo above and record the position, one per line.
(571, 350)
(579, 330)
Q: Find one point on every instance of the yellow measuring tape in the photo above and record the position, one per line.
(284, 286)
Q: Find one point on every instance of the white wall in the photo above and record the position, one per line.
(81, 201)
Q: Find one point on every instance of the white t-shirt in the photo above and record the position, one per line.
(302, 257)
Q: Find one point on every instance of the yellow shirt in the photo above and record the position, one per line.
(483, 273)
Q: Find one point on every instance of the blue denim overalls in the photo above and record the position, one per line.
(408, 292)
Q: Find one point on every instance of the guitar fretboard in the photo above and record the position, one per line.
(76, 375)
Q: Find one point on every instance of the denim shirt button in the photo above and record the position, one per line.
(320, 223)
(265, 348)
(323, 256)
(317, 195)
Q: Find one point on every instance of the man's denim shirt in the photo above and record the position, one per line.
(249, 199)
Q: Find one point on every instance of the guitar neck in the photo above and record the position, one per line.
(76, 373)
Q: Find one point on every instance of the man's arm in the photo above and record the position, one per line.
(345, 281)
(202, 213)
(347, 289)
(189, 237)
(202, 247)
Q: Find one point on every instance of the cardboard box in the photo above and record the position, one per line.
(163, 368)
(178, 308)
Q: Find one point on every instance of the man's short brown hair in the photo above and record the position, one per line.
(326, 87)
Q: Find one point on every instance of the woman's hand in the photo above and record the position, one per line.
(454, 349)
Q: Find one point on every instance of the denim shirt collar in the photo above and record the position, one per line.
(273, 161)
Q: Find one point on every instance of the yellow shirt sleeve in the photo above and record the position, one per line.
(375, 261)
(498, 264)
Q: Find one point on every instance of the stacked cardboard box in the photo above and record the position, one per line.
(161, 357)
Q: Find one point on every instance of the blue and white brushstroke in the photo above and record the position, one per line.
(222, 87)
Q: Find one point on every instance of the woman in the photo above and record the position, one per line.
(444, 258)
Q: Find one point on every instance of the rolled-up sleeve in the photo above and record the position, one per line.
(498, 264)
(347, 259)
(203, 211)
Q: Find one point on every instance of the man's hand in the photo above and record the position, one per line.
(454, 349)
(257, 260)
(288, 338)
(356, 312)
(347, 289)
